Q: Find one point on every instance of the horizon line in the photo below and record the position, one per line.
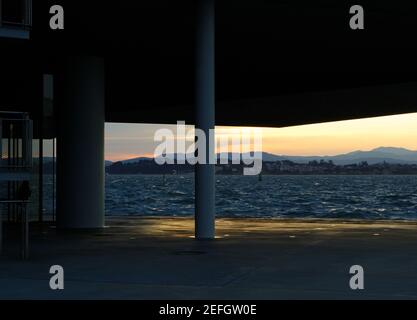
(148, 156)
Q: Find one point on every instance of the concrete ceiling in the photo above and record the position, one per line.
(278, 63)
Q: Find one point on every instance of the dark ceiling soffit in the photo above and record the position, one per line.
(289, 110)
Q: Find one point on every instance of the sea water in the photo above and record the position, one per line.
(290, 196)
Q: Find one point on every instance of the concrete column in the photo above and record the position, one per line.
(80, 144)
(205, 120)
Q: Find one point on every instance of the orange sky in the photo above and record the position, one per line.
(124, 141)
(343, 136)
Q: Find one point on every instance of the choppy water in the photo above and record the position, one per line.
(370, 197)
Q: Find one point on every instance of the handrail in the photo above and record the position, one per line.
(11, 23)
(14, 115)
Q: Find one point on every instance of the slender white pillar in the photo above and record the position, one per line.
(80, 144)
(205, 120)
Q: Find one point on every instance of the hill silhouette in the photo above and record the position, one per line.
(378, 155)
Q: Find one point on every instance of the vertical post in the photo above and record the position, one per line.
(1, 140)
(40, 180)
(53, 179)
(28, 13)
(14, 183)
(24, 247)
(1, 13)
(1, 230)
(9, 163)
(80, 144)
(205, 118)
(1, 159)
(47, 111)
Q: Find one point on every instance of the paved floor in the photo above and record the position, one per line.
(157, 258)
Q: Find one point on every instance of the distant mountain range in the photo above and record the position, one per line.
(378, 155)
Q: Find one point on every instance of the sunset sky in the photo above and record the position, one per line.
(124, 141)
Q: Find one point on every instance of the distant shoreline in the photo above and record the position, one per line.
(266, 174)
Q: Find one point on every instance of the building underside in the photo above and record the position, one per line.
(276, 64)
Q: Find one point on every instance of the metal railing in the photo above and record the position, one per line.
(24, 226)
(25, 23)
(16, 128)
